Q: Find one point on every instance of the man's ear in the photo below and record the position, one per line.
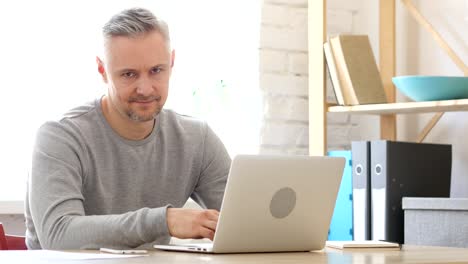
(172, 58)
(101, 69)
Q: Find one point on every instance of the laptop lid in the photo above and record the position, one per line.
(276, 204)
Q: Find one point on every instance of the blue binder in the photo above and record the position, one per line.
(341, 227)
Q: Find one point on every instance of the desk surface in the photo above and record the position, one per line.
(408, 254)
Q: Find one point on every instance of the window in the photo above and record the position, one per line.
(48, 51)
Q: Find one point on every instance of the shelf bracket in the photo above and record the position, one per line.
(429, 126)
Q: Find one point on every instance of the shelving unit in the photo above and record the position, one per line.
(318, 108)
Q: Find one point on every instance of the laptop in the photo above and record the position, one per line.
(274, 204)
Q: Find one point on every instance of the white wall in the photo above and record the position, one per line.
(283, 76)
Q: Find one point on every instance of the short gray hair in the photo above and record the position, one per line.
(135, 22)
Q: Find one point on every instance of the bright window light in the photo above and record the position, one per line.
(48, 66)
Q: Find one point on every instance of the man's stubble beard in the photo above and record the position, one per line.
(132, 115)
(138, 118)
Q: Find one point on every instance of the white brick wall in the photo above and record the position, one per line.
(284, 77)
(292, 3)
(277, 38)
(298, 63)
(285, 84)
(273, 61)
(287, 108)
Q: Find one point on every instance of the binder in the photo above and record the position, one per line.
(361, 190)
(341, 226)
(404, 169)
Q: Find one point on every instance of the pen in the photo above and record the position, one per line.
(123, 251)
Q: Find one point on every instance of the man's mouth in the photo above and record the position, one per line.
(145, 100)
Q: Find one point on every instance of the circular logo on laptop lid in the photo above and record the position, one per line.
(283, 202)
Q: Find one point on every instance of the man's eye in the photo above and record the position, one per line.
(128, 74)
(156, 70)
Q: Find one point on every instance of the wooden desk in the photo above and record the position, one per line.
(409, 254)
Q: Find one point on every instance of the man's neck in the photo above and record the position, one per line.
(125, 127)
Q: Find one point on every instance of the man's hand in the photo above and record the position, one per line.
(192, 223)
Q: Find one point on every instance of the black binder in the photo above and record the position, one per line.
(361, 190)
(404, 169)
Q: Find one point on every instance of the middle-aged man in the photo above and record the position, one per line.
(115, 172)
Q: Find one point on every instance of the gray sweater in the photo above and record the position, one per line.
(91, 188)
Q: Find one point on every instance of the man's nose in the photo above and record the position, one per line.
(144, 86)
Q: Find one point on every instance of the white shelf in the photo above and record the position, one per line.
(404, 108)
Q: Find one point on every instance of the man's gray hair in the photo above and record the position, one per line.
(135, 22)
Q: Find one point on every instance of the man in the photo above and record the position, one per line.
(115, 172)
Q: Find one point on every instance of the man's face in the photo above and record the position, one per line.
(137, 71)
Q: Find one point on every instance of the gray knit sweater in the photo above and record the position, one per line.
(91, 188)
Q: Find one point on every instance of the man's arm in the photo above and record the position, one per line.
(210, 188)
(56, 201)
(209, 191)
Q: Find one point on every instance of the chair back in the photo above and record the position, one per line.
(10, 242)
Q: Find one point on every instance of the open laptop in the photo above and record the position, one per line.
(274, 204)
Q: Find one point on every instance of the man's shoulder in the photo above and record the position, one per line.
(172, 118)
(73, 117)
(80, 111)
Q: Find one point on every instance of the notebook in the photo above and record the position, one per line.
(365, 244)
(274, 204)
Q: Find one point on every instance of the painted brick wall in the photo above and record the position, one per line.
(284, 77)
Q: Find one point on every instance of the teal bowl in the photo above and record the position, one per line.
(432, 88)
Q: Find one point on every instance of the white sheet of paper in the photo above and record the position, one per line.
(59, 255)
(42, 255)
